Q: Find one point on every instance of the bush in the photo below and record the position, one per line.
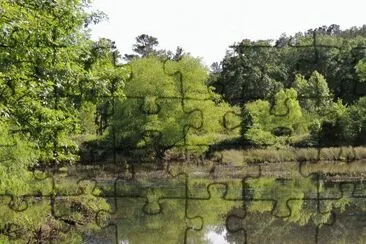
(274, 125)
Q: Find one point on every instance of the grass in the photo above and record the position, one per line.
(274, 155)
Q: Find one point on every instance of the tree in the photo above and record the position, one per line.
(361, 70)
(331, 129)
(335, 55)
(42, 75)
(41, 71)
(314, 94)
(250, 71)
(147, 46)
(106, 76)
(169, 106)
(179, 53)
(258, 69)
(356, 123)
(274, 124)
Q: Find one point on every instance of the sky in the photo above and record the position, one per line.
(206, 28)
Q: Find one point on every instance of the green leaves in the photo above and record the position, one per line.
(250, 71)
(43, 81)
(46, 74)
(267, 119)
(314, 93)
(170, 102)
(361, 70)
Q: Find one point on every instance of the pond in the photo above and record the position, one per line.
(276, 203)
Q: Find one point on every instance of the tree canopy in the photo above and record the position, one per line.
(169, 105)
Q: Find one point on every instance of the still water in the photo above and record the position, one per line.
(292, 206)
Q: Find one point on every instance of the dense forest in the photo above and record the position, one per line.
(62, 93)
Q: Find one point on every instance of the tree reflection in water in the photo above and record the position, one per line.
(275, 211)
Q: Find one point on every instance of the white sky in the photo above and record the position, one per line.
(206, 28)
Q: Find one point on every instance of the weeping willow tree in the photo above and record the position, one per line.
(169, 106)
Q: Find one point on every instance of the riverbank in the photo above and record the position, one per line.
(97, 155)
(333, 171)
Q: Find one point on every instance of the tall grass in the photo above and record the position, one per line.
(288, 154)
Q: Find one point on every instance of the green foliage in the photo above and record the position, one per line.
(50, 69)
(87, 118)
(146, 45)
(257, 69)
(251, 70)
(45, 78)
(336, 64)
(106, 75)
(165, 110)
(314, 94)
(17, 153)
(356, 122)
(266, 119)
(36, 80)
(57, 87)
(361, 70)
(335, 127)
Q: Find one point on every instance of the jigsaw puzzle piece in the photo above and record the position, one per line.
(153, 202)
(279, 183)
(73, 205)
(263, 227)
(42, 225)
(38, 184)
(151, 192)
(23, 199)
(130, 221)
(284, 205)
(212, 210)
(208, 121)
(348, 207)
(336, 179)
(197, 104)
(232, 184)
(185, 73)
(349, 227)
(232, 120)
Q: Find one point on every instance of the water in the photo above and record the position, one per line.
(291, 207)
